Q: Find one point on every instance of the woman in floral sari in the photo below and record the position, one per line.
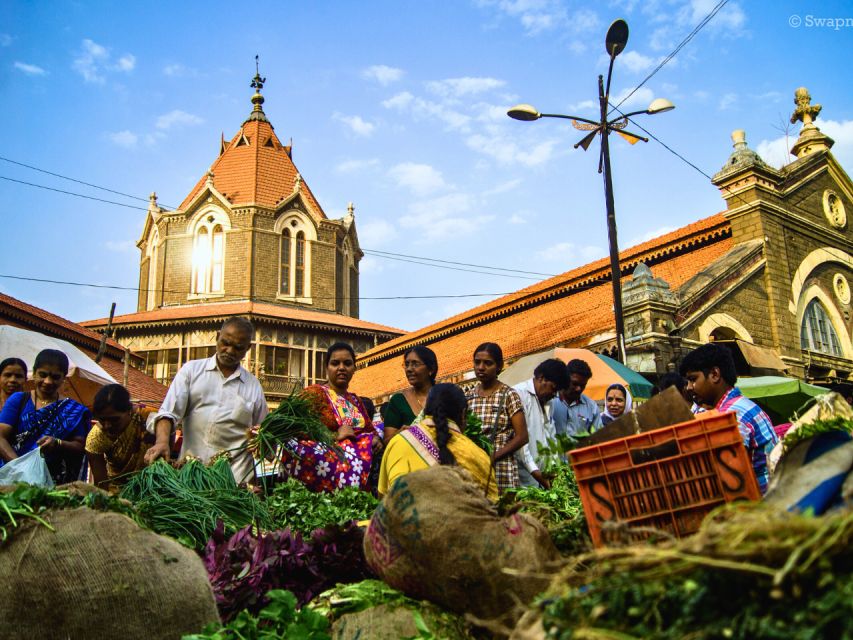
(319, 467)
(42, 418)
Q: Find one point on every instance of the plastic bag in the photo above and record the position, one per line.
(30, 467)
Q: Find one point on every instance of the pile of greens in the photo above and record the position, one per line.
(558, 508)
(293, 505)
(806, 431)
(295, 418)
(750, 572)
(26, 502)
(278, 620)
(244, 568)
(188, 503)
(474, 432)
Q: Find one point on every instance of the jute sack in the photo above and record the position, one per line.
(435, 537)
(99, 575)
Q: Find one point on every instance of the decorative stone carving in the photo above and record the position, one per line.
(833, 208)
(645, 287)
(841, 288)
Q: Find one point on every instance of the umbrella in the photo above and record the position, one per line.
(605, 371)
(85, 376)
(782, 396)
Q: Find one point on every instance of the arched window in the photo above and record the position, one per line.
(300, 264)
(284, 285)
(817, 332)
(209, 257)
(298, 234)
(151, 298)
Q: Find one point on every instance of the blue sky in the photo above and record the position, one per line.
(399, 107)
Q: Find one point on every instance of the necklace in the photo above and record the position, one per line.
(418, 400)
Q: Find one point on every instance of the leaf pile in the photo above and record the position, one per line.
(474, 432)
(293, 505)
(750, 572)
(188, 503)
(796, 436)
(279, 620)
(558, 508)
(295, 418)
(30, 502)
(244, 568)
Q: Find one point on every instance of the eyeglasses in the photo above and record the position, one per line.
(413, 364)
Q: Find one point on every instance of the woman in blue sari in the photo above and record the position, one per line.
(41, 418)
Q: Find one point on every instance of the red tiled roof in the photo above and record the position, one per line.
(225, 309)
(36, 318)
(260, 172)
(565, 310)
(27, 316)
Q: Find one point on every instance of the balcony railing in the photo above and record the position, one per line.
(274, 385)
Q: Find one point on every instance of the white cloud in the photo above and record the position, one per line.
(5, 40)
(642, 97)
(517, 219)
(730, 18)
(29, 69)
(636, 62)
(421, 179)
(125, 138)
(351, 166)
(728, 101)
(584, 105)
(126, 63)
(375, 233)
(506, 151)
(729, 22)
(577, 47)
(567, 254)
(357, 124)
(777, 152)
(370, 265)
(399, 101)
(509, 185)
(179, 71)
(93, 60)
(539, 16)
(648, 235)
(458, 87)
(177, 117)
(443, 217)
(120, 246)
(382, 74)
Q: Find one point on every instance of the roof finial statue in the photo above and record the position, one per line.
(257, 84)
(811, 139)
(298, 184)
(351, 209)
(806, 112)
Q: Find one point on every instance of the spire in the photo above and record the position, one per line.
(257, 84)
(811, 139)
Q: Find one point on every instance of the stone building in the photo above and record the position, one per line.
(249, 239)
(770, 275)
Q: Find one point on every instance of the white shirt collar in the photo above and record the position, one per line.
(211, 365)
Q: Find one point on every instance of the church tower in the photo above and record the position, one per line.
(249, 239)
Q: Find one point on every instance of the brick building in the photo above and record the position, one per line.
(249, 239)
(770, 274)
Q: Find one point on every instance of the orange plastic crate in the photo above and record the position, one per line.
(667, 479)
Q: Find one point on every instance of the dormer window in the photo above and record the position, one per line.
(209, 257)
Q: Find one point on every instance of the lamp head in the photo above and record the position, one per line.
(660, 105)
(524, 112)
(617, 38)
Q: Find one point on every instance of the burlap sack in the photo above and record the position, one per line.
(435, 537)
(99, 575)
(392, 622)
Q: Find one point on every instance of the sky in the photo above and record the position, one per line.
(399, 107)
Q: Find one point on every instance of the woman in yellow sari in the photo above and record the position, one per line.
(438, 439)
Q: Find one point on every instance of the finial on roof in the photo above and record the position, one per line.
(811, 139)
(257, 84)
(153, 207)
(742, 156)
(153, 198)
(209, 181)
(298, 184)
(351, 209)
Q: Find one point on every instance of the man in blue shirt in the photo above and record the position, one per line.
(573, 412)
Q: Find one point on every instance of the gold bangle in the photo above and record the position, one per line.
(59, 442)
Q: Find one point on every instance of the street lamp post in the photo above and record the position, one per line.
(615, 41)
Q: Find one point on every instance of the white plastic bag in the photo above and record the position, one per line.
(30, 467)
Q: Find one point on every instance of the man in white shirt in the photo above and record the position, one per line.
(217, 401)
(549, 377)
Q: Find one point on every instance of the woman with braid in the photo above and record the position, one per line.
(437, 439)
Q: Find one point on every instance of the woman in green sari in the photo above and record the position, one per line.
(421, 367)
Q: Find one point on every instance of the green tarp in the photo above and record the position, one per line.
(781, 396)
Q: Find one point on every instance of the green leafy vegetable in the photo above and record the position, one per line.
(474, 432)
(279, 620)
(293, 505)
(806, 431)
(294, 418)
